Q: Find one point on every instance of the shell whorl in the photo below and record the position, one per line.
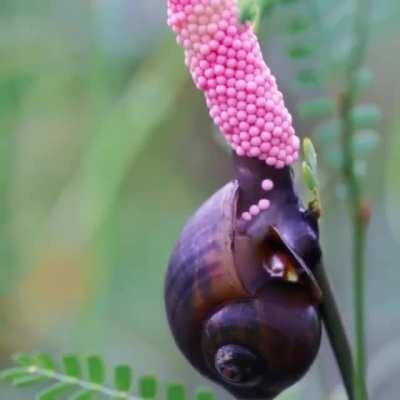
(280, 326)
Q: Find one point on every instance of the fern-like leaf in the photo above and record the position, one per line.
(176, 391)
(71, 381)
(148, 387)
(54, 391)
(123, 378)
(366, 116)
(96, 370)
(72, 366)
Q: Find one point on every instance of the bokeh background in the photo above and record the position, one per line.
(106, 148)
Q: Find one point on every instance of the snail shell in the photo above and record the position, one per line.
(236, 324)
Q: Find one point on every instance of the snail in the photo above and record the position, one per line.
(241, 298)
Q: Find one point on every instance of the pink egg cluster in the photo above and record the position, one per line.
(226, 63)
(262, 205)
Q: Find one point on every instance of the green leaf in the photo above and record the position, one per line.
(310, 178)
(317, 108)
(40, 369)
(148, 387)
(248, 11)
(365, 142)
(298, 25)
(54, 391)
(23, 359)
(72, 366)
(365, 116)
(82, 395)
(123, 378)
(300, 51)
(310, 154)
(96, 370)
(13, 373)
(176, 392)
(267, 6)
(204, 394)
(44, 361)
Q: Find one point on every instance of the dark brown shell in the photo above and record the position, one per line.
(215, 297)
(280, 326)
(201, 274)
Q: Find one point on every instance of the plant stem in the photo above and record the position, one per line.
(87, 386)
(336, 331)
(359, 218)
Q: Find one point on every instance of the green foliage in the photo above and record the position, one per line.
(310, 155)
(248, 10)
(70, 381)
(176, 391)
(309, 177)
(310, 172)
(365, 141)
(366, 116)
(251, 10)
(203, 394)
(315, 39)
(300, 51)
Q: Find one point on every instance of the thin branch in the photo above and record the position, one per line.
(359, 218)
(336, 331)
(92, 387)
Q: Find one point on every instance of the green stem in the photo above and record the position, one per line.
(75, 382)
(359, 308)
(356, 203)
(336, 331)
(257, 20)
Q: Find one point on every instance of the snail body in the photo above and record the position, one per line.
(253, 330)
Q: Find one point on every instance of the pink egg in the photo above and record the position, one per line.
(264, 204)
(226, 63)
(246, 216)
(267, 185)
(254, 210)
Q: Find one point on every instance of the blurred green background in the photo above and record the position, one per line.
(106, 148)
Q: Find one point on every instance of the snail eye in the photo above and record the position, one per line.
(237, 365)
